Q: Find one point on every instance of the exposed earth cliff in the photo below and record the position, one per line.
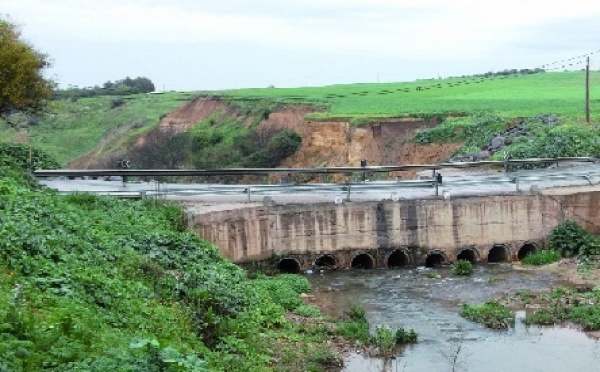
(329, 143)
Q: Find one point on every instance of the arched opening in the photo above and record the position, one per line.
(467, 255)
(434, 259)
(526, 250)
(397, 259)
(362, 261)
(326, 261)
(289, 266)
(498, 253)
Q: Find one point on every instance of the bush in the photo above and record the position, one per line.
(406, 337)
(25, 158)
(569, 238)
(544, 257)
(475, 132)
(462, 267)
(491, 314)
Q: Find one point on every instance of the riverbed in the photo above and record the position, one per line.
(428, 301)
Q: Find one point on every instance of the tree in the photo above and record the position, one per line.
(23, 87)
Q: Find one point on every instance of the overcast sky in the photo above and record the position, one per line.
(220, 44)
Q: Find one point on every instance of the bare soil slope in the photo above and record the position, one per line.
(324, 143)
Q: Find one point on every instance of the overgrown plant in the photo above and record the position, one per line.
(92, 283)
(569, 238)
(491, 314)
(543, 257)
(462, 267)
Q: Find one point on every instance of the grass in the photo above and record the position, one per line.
(83, 124)
(519, 95)
(544, 257)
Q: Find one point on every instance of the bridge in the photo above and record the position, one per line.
(499, 217)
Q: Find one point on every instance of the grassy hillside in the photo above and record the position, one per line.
(72, 129)
(99, 284)
(561, 93)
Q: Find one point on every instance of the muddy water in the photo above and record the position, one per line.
(447, 342)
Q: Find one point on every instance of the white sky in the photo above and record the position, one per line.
(217, 44)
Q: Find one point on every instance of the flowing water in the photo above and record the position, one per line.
(447, 342)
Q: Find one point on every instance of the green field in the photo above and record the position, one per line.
(561, 93)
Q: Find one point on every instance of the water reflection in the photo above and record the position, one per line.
(447, 342)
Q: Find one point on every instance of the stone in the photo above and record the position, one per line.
(497, 142)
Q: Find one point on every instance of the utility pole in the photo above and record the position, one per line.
(587, 91)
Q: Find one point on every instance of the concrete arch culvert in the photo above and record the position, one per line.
(434, 259)
(397, 259)
(526, 250)
(498, 253)
(288, 266)
(363, 261)
(468, 254)
(326, 262)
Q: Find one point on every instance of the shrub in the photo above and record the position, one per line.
(568, 238)
(24, 157)
(491, 314)
(406, 337)
(462, 267)
(544, 257)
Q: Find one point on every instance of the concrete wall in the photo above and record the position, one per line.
(419, 228)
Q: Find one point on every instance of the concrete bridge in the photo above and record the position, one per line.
(396, 233)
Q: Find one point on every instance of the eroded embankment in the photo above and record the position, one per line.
(328, 143)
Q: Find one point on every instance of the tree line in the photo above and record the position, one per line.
(117, 88)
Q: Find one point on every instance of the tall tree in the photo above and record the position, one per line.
(23, 87)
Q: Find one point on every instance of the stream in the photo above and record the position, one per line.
(409, 298)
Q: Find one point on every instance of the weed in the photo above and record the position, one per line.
(492, 314)
(462, 267)
(544, 257)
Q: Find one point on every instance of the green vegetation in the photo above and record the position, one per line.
(462, 267)
(25, 157)
(539, 136)
(571, 239)
(121, 87)
(565, 304)
(22, 83)
(93, 284)
(515, 95)
(385, 339)
(91, 123)
(223, 141)
(218, 141)
(491, 314)
(543, 257)
(473, 111)
(403, 336)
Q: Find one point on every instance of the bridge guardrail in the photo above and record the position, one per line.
(323, 170)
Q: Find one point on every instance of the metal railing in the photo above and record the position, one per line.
(322, 170)
(344, 188)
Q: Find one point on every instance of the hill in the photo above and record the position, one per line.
(338, 124)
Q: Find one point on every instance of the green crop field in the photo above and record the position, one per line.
(561, 93)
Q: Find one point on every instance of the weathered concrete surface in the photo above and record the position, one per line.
(418, 228)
